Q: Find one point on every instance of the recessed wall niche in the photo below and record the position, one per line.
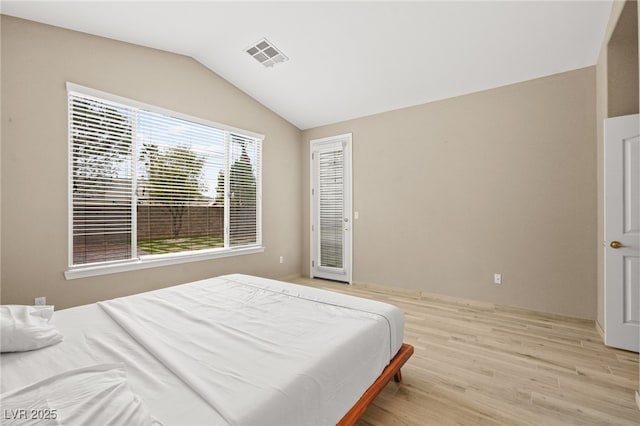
(622, 64)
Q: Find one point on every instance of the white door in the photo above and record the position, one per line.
(622, 232)
(331, 235)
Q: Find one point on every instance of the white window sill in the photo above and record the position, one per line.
(155, 261)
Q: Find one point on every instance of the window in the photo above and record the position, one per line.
(150, 185)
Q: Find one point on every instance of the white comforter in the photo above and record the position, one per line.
(95, 395)
(228, 350)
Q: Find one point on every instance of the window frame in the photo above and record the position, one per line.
(152, 261)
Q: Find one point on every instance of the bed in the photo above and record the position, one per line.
(234, 349)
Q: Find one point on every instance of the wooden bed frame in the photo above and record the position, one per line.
(392, 370)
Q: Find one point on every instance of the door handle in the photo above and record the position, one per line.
(616, 244)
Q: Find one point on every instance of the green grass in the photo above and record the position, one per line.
(174, 245)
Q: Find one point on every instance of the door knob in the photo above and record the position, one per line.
(616, 244)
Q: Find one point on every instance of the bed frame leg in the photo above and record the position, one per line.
(397, 377)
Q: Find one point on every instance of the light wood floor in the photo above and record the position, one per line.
(481, 364)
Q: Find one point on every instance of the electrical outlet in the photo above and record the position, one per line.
(497, 278)
(281, 259)
(40, 301)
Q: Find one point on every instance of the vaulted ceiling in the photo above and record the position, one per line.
(351, 59)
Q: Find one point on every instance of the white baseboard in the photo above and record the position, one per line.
(290, 277)
(599, 330)
(378, 288)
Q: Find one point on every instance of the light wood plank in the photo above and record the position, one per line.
(476, 363)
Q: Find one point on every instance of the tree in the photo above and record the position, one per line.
(220, 189)
(242, 182)
(242, 197)
(174, 179)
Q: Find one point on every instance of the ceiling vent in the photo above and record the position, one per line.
(266, 53)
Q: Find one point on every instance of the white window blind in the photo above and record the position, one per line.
(146, 183)
(101, 147)
(331, 184)
(243, 190)
(176, 185)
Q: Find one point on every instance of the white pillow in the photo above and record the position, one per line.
(25, 328)
(95, 395)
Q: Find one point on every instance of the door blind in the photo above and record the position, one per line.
(331, 196)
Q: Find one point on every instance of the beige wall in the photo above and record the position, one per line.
(37, 60)
(498, 181)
